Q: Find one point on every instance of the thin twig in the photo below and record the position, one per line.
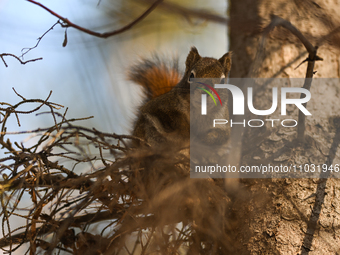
(2, 55)
(18, 94)
(24, 51)
(68, 23)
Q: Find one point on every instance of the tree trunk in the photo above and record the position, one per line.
(289, 216)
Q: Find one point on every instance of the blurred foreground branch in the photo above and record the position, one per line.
(86, 192)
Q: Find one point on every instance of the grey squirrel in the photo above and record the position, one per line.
(164, 119)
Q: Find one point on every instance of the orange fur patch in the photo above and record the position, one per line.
(161, 80)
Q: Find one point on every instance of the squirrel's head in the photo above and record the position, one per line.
(203, 67)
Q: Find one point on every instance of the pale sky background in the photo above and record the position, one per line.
(89, 75)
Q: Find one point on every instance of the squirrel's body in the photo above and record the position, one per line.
(165, 117)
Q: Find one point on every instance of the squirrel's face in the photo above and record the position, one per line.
(207, 68)
(198, 67)
(211, 70)
(208, 71)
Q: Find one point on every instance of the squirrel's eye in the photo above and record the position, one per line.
(192, 76)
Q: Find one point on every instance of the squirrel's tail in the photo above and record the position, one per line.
(157, 76)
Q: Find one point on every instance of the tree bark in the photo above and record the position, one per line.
(289, 216)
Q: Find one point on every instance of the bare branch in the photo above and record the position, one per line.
(26, 50)
(2, 55)
(312, 57)
(68, 23)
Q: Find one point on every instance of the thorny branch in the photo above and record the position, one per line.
(312, 57)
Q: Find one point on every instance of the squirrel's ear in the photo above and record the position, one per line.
(192, 58)
(225, 61)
